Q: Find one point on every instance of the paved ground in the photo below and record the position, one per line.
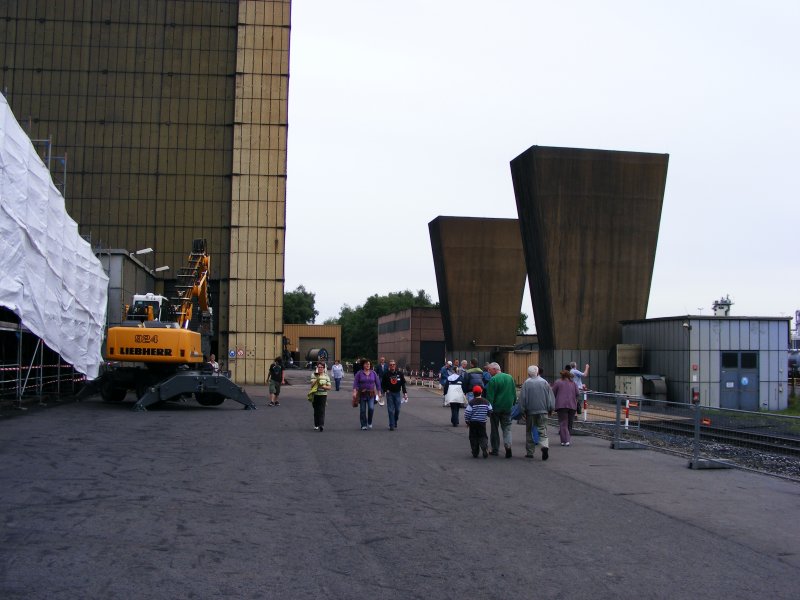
(192, 502)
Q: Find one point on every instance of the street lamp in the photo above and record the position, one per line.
(153, 271)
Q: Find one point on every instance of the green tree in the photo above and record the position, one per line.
(360, 324)
(522, 326)
(298, 306)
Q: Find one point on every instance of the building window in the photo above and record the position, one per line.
(749, 360)
(392, 326)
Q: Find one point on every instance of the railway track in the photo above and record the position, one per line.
(780, 444)
(757, 445)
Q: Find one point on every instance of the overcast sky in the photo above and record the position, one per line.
(403, 111)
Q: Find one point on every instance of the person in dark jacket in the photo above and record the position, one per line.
(472, 377)
(393, 384)
(380, 371)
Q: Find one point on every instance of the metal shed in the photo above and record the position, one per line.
(732, 362)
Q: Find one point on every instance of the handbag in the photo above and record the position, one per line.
(313, 391)
(355, 398)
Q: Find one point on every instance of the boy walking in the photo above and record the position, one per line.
(475, 415)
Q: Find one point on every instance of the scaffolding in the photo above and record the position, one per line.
(29, 370)
(57, 165)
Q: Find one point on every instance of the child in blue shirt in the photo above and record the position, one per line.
(475, 415)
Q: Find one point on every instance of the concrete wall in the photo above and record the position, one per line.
(480, 275)
(173, 118)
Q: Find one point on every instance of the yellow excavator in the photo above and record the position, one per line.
(155, 353)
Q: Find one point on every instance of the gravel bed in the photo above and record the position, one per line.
(781, 465)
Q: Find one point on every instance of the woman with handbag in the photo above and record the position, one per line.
(318, 395)
(366, 386)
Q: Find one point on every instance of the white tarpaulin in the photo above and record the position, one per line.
(49, 275)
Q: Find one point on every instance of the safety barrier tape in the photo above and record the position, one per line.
(26, 367)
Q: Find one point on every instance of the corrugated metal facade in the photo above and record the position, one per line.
(516, 364)
(689, 356)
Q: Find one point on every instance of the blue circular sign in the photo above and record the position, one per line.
(745, 381)
(231, 353)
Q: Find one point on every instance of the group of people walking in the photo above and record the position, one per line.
(457, 383)
(493, 398)
(539, 399)
(369, 386)
(486, 394)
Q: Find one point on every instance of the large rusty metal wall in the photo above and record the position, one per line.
(480, 275)
(173, 118)
(589, 221)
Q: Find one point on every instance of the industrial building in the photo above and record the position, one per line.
(169, 120)
(413, 337)
(303, 343)
(730, 362)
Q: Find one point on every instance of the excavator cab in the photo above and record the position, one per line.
(148, 308)
(145, 307)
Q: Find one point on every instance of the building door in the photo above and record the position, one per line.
(431, 355)
(739, 380)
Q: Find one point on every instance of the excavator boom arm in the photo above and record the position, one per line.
(193, 283)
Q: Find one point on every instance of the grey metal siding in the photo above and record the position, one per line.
(671, 350)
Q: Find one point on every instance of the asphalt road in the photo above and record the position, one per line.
(192, 502)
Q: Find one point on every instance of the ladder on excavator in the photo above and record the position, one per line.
(192, 282)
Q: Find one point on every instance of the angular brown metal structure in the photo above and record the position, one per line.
(480, 274)
(589, 222)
